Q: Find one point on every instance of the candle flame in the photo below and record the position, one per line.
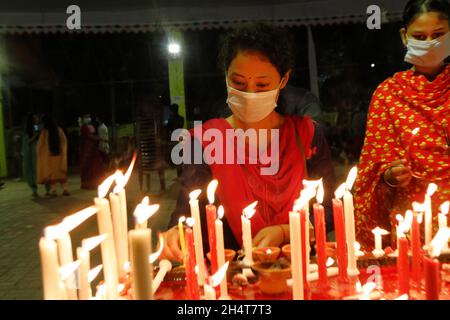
(91, 243)
(67, 270)
(330, 262)
(313, 184)
(211, 190)
(268, 251)
(249, 211)
(190, 222)
(194, 194)
(305, 196)
(320, 192)
(119, 178)
(123, 179)
(126, 266)
(407, 223)
(415, 131)
(220, 274)
(53, 232)
(144, 212)
(432, 187)
(379, 231)
(92, 274)
(74, 220)
(220, 212)
(419, 218)
(399, 217)
(439, 241)
(182, 219)
(445, 207)
(339, 193)
(154, 256)
(104, 187)
(419, 207)
(357, 246)
(366, 290)
(351, 178)
(402, 297)
(101, 290)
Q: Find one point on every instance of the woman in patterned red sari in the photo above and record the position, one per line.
(396, 169)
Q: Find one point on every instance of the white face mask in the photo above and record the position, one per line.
(428, 53)
(252, 107)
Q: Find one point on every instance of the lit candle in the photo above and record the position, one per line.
(247, 214)
(221, 251)
(357, 247)
(350, 223)
(296, 256)
(140, 246)
(107, 247)
(193, 292)
(443, 223)
(320, 232)
(411, 140)
(116, 211)
(67, 272)
(309, 190)
(403, 264)
(164, 267)
(143, 212)
(214, 281)
(181, 220)
(378, 233)
(49, 266)
(432, 265)
(416, 246)
(211, 215)
(339, 227)
(198, 239)
(65, 258)
(83, 255)
(429, 214)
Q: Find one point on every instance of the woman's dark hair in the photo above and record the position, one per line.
(53, 134)
(29, 125)
(417, 7)
(272, 42)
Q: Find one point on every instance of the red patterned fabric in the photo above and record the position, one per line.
(242, 184)
(399, 105)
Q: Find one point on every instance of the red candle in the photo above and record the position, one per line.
(432, 275)
(193, 292)
(303, 240)
(339, 228)
(416, 248)
(403, 266)
(319, 229)
(211, 216)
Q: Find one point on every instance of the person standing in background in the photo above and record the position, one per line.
(29, 141)
(91, 162)
(52, 157)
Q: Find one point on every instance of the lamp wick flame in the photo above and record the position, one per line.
(320, 192)
(339, 193)
(249, 211)
(104, 187)
(351, 178)
(432, 187)
(92, 274)
(194, 194)
(379, 231)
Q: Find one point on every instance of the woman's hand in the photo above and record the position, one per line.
(171, 250)
(398, 174)
(272, 236)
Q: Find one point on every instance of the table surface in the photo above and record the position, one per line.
(175, 290)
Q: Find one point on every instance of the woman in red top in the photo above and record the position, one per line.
(256, 60)
(396, 169)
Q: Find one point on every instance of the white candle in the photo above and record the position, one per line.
(140, 245)
(164, 267)
(443, 222)
(247, 214)
(429, 214)
(221, 251)
(107, 247)
(210, 292)
(378, 233)
(198, 240)
(352, 268)
(50, 269)
(296, 255)
(84, 257)
(66, 257)
(116, 211)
